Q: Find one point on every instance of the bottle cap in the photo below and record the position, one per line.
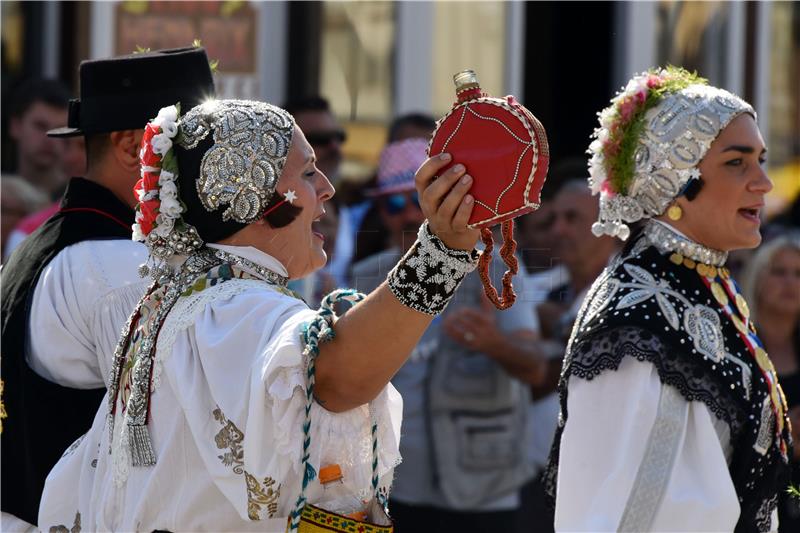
(466, 79)
(467, 86)
(330, 473)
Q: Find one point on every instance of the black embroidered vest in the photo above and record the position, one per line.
(45, 418)
(646, 307)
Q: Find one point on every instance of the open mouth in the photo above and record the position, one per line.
(751, 214)
(315, 227)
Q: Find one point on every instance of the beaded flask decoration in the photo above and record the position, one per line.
(505, 150)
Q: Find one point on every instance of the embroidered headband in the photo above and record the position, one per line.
(230, 187)
(650, 141)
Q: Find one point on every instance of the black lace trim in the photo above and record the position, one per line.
(623, 316)
(604, 351)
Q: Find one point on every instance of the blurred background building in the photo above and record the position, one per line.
(375, 60)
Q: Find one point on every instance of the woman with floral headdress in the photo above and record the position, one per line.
(225, 407)
(672, 418)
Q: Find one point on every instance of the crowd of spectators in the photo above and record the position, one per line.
(480, 407)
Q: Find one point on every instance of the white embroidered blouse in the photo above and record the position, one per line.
(226, 424)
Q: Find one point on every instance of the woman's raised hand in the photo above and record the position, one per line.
(445, 202)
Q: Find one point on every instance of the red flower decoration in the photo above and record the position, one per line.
(149, 211)
(146, 155)
(149, 181)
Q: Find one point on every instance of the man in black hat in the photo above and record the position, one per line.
(68, 288)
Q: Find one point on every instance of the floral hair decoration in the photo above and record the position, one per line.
(650, 141)
(158, 212)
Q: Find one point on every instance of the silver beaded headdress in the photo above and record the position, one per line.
(239, 172)
(650, 142)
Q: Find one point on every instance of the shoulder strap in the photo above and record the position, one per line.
(317, 330)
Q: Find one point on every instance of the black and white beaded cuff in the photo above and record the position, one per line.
(426, 278)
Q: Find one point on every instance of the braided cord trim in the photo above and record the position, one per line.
(316, 331)
(507, 254)
(426, 278)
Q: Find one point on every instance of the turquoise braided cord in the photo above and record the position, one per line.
(317, 330)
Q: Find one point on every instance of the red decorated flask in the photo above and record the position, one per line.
(504, 148)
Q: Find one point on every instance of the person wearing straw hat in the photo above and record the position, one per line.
(228, 397)
(70, 286)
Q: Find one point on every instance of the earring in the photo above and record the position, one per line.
(675, 212)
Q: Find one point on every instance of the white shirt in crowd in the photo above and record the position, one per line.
(226, 425)
(80, 304)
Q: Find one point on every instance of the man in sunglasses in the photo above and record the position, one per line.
(323, 132)
(398, 205)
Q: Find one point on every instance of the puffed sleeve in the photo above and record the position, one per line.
(239, 374)
(636, 456)
(79, 306)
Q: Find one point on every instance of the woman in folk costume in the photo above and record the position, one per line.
(672, 418)
(210, 422)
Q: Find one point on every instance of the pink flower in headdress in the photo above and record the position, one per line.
(653, 81)
(607, 188)
(611, 148)
(629, 107)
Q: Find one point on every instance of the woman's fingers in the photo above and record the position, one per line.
(464, 211)
(427, 171)
(452, 201)
(445, 202)
(435, 193)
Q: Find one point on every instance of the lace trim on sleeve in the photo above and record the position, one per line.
(604, 351)
(348, 432)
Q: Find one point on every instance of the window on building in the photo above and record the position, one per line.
(784, 99)
(356, 75)
(695, 35)
(469, 35)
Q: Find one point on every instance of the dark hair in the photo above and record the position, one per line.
(566, 170)
(96, 146)
(283, 215)
(308, 103)
(693, 189)
(414, 120)
(51, 92)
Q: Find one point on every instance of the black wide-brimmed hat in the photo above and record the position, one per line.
(124, 93)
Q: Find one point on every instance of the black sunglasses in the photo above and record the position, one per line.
(324, 138)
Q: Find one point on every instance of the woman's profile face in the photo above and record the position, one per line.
(726, 214)
(299, 245)
(779, 283)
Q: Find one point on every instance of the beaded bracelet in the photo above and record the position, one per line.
(426, 278)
